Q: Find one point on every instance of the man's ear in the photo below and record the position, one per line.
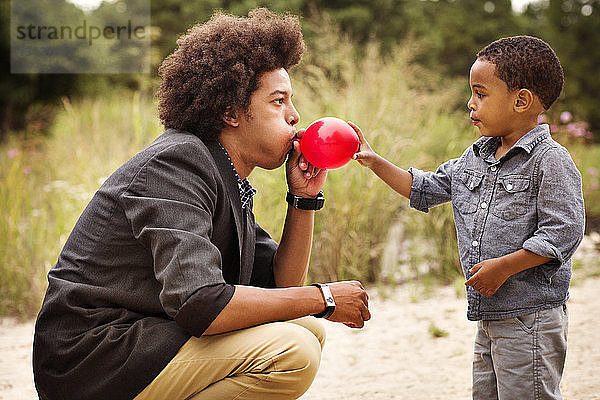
(523, 100)
(230, 118)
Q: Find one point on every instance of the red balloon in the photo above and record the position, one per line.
(329, 143)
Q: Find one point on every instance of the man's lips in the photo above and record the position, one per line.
(289, 152)
(475, 121)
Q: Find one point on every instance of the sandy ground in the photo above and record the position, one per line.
(395, 356)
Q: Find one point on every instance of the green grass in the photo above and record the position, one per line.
(437, 332)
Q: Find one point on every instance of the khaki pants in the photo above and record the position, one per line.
(278, 360)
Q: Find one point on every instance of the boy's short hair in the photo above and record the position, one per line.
(217, 65)
(526, 62)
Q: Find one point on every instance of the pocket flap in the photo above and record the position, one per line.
(471, 178)
(514, 183)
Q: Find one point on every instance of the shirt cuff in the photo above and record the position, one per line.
(545, 249)
(203, 307)
(417, 197)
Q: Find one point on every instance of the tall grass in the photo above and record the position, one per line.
(19, 273)
(46, 182)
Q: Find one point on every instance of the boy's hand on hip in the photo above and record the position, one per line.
(489, 276)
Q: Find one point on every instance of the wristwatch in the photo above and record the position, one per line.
(329, 302)
(304, 203)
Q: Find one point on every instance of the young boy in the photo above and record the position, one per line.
(519, 215)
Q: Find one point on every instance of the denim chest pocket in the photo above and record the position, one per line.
(512, 196)
(466, 197)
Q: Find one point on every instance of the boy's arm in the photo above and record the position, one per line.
(491, 274)
(397, 178)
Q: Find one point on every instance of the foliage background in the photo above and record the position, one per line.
(398, 68)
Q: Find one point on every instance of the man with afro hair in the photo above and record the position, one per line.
(167, 287)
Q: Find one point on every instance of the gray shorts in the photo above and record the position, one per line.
(521, 358)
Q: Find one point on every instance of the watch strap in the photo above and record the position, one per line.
(305, 203)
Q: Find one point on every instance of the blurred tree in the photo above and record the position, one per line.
(573, 27)
(174, 17)
(456, 30)
(129, 53)
(383, 20)
(20, 91)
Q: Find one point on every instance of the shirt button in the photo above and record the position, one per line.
(484, 205)
(475, 243)
(493, 168)
(509, 186)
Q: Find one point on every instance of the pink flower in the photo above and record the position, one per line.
(27, 169)
(565, 117)
(573, 130)
(577, 129)
(12, 153)
(592, 171)
(594, 184)
(542, 119)
(553, 128)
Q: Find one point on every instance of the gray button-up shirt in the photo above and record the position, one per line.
(531, 198)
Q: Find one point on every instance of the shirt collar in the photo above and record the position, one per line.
(246, 189)
(486, 146)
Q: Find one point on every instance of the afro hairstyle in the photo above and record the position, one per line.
(217, 66)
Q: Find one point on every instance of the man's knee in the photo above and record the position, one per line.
(299, 363)
(314, 325)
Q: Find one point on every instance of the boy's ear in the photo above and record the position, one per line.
(230, 118)
(523, 100)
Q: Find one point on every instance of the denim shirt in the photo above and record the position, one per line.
(531, 198)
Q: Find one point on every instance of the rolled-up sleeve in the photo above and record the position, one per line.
(560, 209)
(430, 189)
(169, 205)
(201, 309)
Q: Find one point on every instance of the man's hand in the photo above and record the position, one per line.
(489, 276)
(304, 179)
(351, 304)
